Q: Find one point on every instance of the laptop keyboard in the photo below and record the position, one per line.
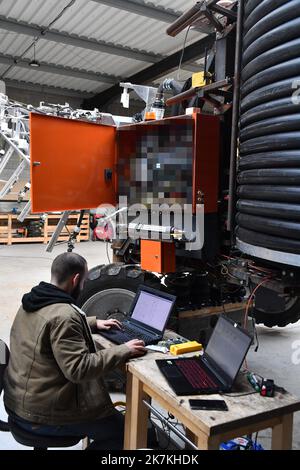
(195, 374)
(132, 333)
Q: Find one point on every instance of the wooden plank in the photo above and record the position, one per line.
(204, 312)
(207, 443)
(9, 229)
(136, 417)
(243, 411)
(27, 240)
(282, 434)
(248, 429)
(246, 415)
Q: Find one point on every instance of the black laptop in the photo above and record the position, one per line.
(217, 369)
(149, 314)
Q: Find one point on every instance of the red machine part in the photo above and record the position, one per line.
(104, 232)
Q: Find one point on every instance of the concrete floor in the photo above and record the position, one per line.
(23, 266)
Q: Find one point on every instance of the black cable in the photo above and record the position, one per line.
(71, 3)
(163, 428)
(182, 54)
(253, 318)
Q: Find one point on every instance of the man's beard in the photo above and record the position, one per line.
(76, 292)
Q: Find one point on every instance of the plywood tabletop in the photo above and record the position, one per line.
(243, 410)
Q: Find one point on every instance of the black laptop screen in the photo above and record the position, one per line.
(228, 346)
(152, 310)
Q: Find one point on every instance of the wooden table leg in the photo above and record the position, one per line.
(282, 434)
(136, 417)
(212, 443)
(191, 436)
(204, 442)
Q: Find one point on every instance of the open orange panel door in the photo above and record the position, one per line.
(72, 164)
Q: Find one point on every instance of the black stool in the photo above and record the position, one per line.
(29, 439)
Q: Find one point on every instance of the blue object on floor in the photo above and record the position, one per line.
(241, 443)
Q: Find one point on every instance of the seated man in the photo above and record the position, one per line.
(54, 381)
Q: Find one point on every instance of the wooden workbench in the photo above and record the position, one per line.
(207, 429)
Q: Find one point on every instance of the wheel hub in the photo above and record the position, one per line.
(109, 303)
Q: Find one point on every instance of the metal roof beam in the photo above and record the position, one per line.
(36, 87)
(142, 8)
(58, 70)
(193, 67)
(194, 51)
(77, 41)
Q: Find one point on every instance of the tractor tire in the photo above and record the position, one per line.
(272, 309)
(110, 290)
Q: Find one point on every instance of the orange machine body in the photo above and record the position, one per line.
(173, 160)
(158, 256)
(70, 160)
(206, 162)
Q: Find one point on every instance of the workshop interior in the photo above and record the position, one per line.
(160, 141)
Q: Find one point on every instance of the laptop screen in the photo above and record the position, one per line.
(152, 310)
(228, 346)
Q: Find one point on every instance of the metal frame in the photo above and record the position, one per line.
(197, 50)
(59, 69)
(5, 158)
(51, 90)
(78, 41)
(235, 118)
(15, 147)
(61, 224)
(139, 7)
(25, 211)
(267, 254)
(15, 133)
(12, 180)
(170, 425)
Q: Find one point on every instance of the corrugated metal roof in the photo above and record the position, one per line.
(44, 78)
(91, 20)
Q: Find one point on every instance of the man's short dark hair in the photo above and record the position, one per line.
(66, 265)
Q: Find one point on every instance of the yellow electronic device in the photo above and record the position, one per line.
(198, 79)
(189, 346)
(201, 79)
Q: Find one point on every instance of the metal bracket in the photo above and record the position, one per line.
(170, 426)
(25, 211)
(6, 158)
(16, 148)
(12, 180)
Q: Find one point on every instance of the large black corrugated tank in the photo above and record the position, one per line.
(268, 217)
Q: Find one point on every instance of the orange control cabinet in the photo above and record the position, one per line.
(72, 164)
(80, 165)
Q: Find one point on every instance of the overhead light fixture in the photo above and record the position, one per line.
(34, 62)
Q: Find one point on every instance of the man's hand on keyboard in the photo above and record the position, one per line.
(108, 324)
(137, 347)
